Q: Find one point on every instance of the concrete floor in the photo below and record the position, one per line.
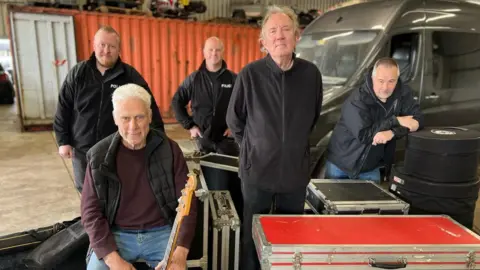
(36, 184)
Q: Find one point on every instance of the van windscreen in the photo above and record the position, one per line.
(337, 54)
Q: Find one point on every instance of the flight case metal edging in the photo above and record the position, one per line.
(202, 194)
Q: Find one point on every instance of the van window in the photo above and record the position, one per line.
(404, 49)
(337, 54)
(455, 59)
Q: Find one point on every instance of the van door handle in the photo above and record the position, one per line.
(432, 96)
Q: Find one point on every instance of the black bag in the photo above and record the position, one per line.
(58, 248)
(27, 240)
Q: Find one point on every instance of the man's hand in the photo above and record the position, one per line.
(195, 132)
(408, 122)
(115, 262)
(227, 133)
(178, 262)
(382, 137)
(65, 151)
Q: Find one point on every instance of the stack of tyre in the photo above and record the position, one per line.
(440, 173)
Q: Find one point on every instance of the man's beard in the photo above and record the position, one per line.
(106, 63)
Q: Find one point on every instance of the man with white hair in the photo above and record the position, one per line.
(373, 117)
(208, 89)
(274, 106)
(133, 180)
(83, 112)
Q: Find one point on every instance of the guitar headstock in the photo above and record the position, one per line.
(188, 192)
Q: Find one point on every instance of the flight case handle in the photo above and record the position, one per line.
(401, 263)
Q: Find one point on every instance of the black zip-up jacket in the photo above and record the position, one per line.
(84, 111)
(209, 101)
(271, 115)
(362, 117)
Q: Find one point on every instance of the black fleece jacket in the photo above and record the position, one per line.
(209, 101)
(84, 110)
(271, 115)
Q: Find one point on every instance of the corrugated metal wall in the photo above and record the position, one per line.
(321, 5)
(3, 20)
(44, 52)
(4, 15)
(216, 9)
(221, 8)
(163, 51)
(166, 51)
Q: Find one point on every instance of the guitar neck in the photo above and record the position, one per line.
(172, 240)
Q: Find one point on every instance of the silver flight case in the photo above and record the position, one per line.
(352, 197)
(226, 231)
(219, 161)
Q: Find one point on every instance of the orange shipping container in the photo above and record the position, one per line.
(164, 51)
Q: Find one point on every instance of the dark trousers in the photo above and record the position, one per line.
(79, 162)
(227, 146)
(257, 201)
(218, 179)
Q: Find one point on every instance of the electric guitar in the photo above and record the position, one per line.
(183, 210)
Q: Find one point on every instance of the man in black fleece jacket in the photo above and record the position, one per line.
(274, 106)
(208, 89)
(84, 111)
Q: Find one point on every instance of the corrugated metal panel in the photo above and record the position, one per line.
(216, 9)
(166, 51)
(44, 52)
(163, 51)
(280, 2)
(222, 8)
(4, 16)
(3, 20)
(321, 5)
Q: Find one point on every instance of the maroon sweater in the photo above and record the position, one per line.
(138, 208)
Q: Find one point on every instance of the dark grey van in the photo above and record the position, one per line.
(437, 46)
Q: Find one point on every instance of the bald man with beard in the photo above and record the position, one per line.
(84, 110)
(208, 89)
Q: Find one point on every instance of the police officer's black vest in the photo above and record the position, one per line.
(102, 161)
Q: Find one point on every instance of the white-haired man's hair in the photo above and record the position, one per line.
(387, 62)
(280, 10)
(128, 91)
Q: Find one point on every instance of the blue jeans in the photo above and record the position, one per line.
(133, 245)
(333, 172)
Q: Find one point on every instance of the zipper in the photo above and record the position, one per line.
(113, 177)
(100, 112)
(365, 154)
(214, 96)
(214, 100)
(363, 159)
(283, 107)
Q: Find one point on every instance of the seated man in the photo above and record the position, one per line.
(133, 180)
(379, 111)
